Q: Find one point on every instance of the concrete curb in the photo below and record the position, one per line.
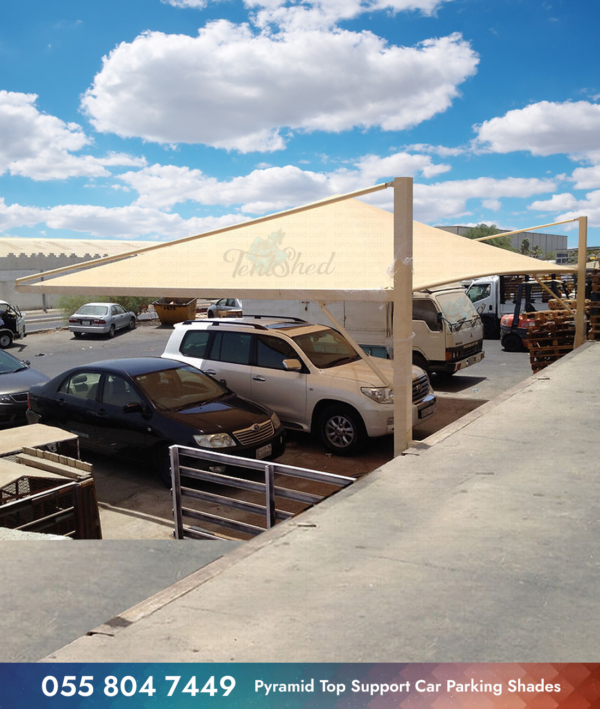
(465, 420)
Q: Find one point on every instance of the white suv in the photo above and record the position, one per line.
(310, 375)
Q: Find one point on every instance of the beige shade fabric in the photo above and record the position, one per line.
(338, 251)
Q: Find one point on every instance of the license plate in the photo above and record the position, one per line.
(264, 451)
(86, 322)
(427, 411)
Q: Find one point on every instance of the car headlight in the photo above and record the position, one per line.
(275, 420)
(382, 395)
(6, 399)
(214, 440)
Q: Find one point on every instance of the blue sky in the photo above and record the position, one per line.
(157, 119)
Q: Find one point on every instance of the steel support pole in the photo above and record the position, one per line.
(270, 496)
(176, 491)
(580, 333)
(402, 325)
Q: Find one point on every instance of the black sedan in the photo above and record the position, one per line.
(136, 408)
(16, 376)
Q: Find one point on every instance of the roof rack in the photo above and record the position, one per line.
(226, 321)
(276, 317)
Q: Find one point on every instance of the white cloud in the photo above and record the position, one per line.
(373, 167)
(115, 222)
(545, 128)
(234, 89)
(588, 207)
(162, 186)
(436, 150)
(327, 13)
(493, 204)
(272, 188)
(195, 4)
(586, 178)
(261, 191)
(448, 200)
(39, 146)
(131, 222)
(15, 215)
(312, 14)
(122, 160)
(556, 203)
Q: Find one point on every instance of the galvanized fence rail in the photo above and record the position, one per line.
(268, 510)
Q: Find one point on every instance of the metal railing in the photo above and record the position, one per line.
(268, 488)
(49, 511)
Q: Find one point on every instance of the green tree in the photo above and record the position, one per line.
(69, 304)
(525, 247)
(502, 242)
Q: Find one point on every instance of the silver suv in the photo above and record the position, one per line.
(310, 375)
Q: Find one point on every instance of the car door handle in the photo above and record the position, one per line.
(101, 413)
(211, 372)
(259, 379)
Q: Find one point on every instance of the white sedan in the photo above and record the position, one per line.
(101, 319)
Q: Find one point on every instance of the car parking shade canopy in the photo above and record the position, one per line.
(341, 250)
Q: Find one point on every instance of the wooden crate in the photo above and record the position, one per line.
(550, 337)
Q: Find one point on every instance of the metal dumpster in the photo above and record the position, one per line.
(174, 310)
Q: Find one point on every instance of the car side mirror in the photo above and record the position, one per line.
(440, 317)
(292, 365)
(133, 408)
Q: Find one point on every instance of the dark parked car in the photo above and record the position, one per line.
(16, 376)
(137, 408)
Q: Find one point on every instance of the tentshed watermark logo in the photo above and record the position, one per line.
(268, 258)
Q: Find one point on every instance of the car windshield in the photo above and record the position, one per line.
(326, 348)
(180, 388)
(92, 310)
(456, 307)
(9, 364)
(479, 291)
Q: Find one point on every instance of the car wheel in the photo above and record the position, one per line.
(5, 340)
(210, 314)
(420, 361)
(78, 334)
(512, 342)
(491, 329)
(342, 430)
(164, 467)
(111, 332)
(132, 324)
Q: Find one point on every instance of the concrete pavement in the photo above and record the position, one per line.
(52, 593)
(481, 544)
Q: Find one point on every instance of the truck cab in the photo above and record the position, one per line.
(448, 333)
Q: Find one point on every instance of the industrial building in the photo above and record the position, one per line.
(549, 243)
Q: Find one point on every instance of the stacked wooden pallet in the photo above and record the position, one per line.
(594, 331)
(550, 337)
(554, 304)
